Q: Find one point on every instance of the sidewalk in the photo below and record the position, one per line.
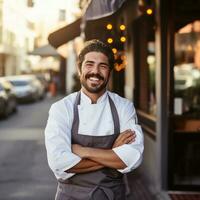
(184, 195)
(139, 188)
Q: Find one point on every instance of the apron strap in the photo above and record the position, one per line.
(115, 116)
(75, 123)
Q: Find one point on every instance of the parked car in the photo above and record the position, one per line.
(40, 86)
(43, 80)
(8, 100)
(27, 87)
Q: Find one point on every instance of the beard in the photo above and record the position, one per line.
(93, 87)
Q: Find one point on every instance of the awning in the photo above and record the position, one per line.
(98, 9)
(97, 14)
(65, 34)
(44, 51)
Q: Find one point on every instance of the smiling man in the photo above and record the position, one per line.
(92, 136)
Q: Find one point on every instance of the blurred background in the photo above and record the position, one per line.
(157, 66)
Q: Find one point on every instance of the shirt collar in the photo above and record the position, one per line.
(87, 100)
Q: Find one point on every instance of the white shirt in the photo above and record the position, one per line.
(94, 118)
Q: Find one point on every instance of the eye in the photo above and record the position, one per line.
(88, 65)
(104, 66)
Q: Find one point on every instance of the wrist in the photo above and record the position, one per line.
(86, 152)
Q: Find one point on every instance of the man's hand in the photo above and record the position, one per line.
(126, 137)
(85, 165)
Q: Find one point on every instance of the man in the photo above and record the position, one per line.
(92, 136)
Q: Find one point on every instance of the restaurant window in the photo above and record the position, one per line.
(144, 45)
(187, 71)
(186, 137)
(144, 72)
(151, 67)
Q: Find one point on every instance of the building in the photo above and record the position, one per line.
(16, 37)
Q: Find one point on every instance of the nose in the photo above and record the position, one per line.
(95, 69)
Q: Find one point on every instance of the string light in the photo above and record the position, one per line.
(123, 57)
(109, 26)
(114, 50)
(110, 40)
(122, 27)
(123, 39)
(116, 56)
(149, 11)
(117, 67)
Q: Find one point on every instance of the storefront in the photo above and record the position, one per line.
(166, 41)
(159, 69)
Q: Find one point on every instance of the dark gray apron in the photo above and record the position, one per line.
(103, 184)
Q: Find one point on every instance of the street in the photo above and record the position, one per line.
(24, 173)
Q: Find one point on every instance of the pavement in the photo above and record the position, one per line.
(24, 172)
(140, 188)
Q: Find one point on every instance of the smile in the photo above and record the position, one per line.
(94, 79)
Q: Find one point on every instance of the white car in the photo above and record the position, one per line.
(27, 87)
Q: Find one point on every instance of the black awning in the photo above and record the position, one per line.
(98, 9)
(65, 34)
(44, 51)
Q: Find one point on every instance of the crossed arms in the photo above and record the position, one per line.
(96, 158)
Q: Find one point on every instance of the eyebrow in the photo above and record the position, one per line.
(92, 62)
(88, 61)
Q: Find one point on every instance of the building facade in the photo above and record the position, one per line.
(164, 44)
(16, 37)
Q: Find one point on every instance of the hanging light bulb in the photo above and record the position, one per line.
(149, 11)
(122, 27)
(109, 26)
(110, 40)
(123, 39)
(123, 57)
(114, 50)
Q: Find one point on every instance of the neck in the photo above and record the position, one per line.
(93, 96)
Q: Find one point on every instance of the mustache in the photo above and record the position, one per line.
(94, 75)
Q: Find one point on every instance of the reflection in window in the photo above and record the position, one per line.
(151, 62)
(187, 71)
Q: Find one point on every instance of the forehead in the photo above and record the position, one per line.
(96, 57)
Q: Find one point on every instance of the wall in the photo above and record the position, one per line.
(129, 72)
(149, 164)
(71, 67)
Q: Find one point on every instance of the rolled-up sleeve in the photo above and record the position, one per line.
(58, 142)
(131, 154)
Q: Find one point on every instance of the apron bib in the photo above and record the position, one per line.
(103, 184)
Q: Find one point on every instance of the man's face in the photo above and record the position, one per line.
(95, 71)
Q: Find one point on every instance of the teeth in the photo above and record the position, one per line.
(93, 79)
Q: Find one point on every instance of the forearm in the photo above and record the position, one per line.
(85, 165)
(105, 157)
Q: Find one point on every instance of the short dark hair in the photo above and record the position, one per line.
(98, 46)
